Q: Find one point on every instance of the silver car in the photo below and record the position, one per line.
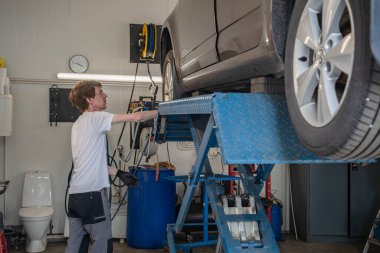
(317, 50)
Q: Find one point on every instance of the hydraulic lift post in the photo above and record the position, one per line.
(249, 128)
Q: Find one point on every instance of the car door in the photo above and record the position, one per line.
(240, 25)
(196, 35)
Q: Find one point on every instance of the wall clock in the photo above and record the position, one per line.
(78, 64)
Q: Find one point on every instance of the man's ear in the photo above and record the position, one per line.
(88, 100)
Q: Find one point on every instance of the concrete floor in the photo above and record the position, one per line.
(289, 245)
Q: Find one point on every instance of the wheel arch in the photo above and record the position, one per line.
(166, 45)
(282, 11)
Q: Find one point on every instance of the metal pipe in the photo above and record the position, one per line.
(268, 196)
(291, 205)
(205, 213)
(5, 169)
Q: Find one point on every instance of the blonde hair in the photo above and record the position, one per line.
(81, 91)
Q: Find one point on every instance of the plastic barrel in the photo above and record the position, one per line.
(151, 206)
(276, 219)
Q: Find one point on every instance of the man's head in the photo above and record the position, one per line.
(88, 96)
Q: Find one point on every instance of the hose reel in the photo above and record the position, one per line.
(148, 42)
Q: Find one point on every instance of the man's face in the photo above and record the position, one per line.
(99, 102)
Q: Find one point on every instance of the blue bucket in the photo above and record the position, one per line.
(276, 220)
(151, 206)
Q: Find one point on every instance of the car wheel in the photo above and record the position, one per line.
(331, 80)
(170, 88)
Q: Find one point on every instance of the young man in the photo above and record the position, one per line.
(89, 209)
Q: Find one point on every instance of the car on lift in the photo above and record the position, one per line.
(318, 50)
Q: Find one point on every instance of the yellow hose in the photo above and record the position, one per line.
(155, 42)
(2, 63)
(145, 35)
(146, 38)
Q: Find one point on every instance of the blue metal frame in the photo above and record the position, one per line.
(248, 129)
(195, 173)
(171, 229)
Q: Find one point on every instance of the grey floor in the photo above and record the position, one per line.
(289, 245)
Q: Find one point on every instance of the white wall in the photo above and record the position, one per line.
(37, 38)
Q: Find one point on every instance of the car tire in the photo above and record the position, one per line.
(333, 97)
(170, 84)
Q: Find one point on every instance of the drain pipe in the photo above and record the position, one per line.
(5, 168)
(51, 227)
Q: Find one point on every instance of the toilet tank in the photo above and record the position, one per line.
(37, 189)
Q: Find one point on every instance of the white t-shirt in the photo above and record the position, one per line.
(88, 147)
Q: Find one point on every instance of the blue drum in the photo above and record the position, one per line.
(151, 206)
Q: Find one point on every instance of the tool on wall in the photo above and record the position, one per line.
(148, 47)
(144, 46)
(148, 42)
(144, 43)
(60, 108)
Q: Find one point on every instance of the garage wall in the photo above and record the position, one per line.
(37, 38)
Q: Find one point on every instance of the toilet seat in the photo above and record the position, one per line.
(36, 213)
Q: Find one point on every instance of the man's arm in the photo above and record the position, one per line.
(134, 117)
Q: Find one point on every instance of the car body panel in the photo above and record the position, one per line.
(170, 27)
(268, 62)
(197, 48)
(201, 57)
(242, 49)
(229, 11)
(238, 26)
(259, 61)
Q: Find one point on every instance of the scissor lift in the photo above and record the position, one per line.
(249, 129)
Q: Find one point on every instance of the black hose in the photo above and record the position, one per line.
(129, 105)
(167, 148)
(68, 185)
(120, 204)
(152, 83)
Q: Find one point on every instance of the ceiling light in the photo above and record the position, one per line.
(110, 78)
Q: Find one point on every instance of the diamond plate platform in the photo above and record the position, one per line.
(251, 128)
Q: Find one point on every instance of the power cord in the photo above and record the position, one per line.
(129, 105)
(68, 185)
(153, 86)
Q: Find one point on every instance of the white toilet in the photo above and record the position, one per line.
(37, 209)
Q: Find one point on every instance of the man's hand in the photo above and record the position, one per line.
(128, 178)
(112, 171)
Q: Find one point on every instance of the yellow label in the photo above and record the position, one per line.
(2, 63)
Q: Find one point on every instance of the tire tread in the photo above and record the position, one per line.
(364, 141)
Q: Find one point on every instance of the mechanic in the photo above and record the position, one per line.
(88, 208)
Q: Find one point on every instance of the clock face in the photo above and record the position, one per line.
(78, 64)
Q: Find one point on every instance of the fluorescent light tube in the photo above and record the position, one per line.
(110, 78)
